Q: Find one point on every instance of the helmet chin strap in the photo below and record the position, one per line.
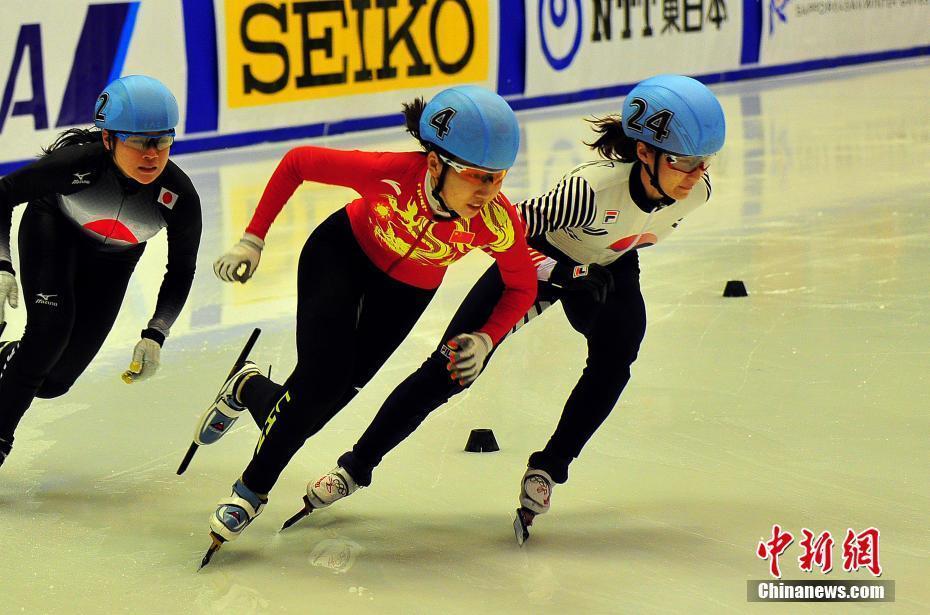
(654, 174)
(438, 188)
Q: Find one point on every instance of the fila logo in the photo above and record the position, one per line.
(580, 271)
(46, 299)
(610, 216)
(167, 198)
(446, 351)
(79, 178)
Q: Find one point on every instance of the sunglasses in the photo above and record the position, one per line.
(142, 142)
(475, 175)
(688, 164)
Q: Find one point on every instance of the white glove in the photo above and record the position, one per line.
(9, 293)
(469, 352)
(241, 261)
(145, 361)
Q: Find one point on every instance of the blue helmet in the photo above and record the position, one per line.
(136, 103)
(473, 124)
(675, 114)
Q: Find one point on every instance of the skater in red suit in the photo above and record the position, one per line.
(368, 272)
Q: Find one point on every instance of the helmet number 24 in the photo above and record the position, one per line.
(657, 122)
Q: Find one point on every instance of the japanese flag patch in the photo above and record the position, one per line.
(167, 198)
(610, 216)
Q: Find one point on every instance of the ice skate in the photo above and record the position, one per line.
(332, 486)
(233, 514)
(226, 408)
(535, 492)
(219, 417)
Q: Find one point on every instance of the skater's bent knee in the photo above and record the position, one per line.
(51, 390)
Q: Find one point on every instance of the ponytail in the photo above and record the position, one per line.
(612, 143)
(73, 136)
(413, 111)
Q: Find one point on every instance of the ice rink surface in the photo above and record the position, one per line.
(804, 404)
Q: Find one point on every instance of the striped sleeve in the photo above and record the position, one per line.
(569, 204)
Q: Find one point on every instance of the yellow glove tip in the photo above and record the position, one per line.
(135, 367)
(127, 377)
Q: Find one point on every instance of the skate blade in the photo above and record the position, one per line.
(217, 543)
(521, 525)
(187, 458)
(240, 361)
(306, 510)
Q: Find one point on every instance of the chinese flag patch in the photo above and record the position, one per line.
(167, 198)
(461, 237)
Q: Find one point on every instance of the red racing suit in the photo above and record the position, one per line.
(396, 228)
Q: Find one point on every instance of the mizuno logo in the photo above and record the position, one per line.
(79, 178)
(46, 299)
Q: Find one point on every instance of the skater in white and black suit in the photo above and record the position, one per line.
(94, 198)
(584, 235)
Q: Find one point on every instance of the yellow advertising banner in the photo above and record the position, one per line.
(302, 50)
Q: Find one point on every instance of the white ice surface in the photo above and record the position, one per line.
(804, 404)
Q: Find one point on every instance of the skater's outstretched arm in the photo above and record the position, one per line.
(307, 163)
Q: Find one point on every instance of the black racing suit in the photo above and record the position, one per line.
(84, 229)
(612, 349)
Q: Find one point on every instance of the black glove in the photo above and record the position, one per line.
(594, 279)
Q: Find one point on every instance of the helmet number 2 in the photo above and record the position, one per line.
(100, 116)
(440, 121)
(657, 122)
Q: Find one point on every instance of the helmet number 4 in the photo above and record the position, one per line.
(440, 121)
(657, 122)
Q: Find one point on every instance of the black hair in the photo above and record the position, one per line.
(612, 143)
(413, 111)
(73, 136)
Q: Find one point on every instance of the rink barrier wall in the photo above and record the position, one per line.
(744, 39)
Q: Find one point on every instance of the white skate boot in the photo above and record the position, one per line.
(535, 492)
(226, 408)
(332, 486)
(234, 513)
